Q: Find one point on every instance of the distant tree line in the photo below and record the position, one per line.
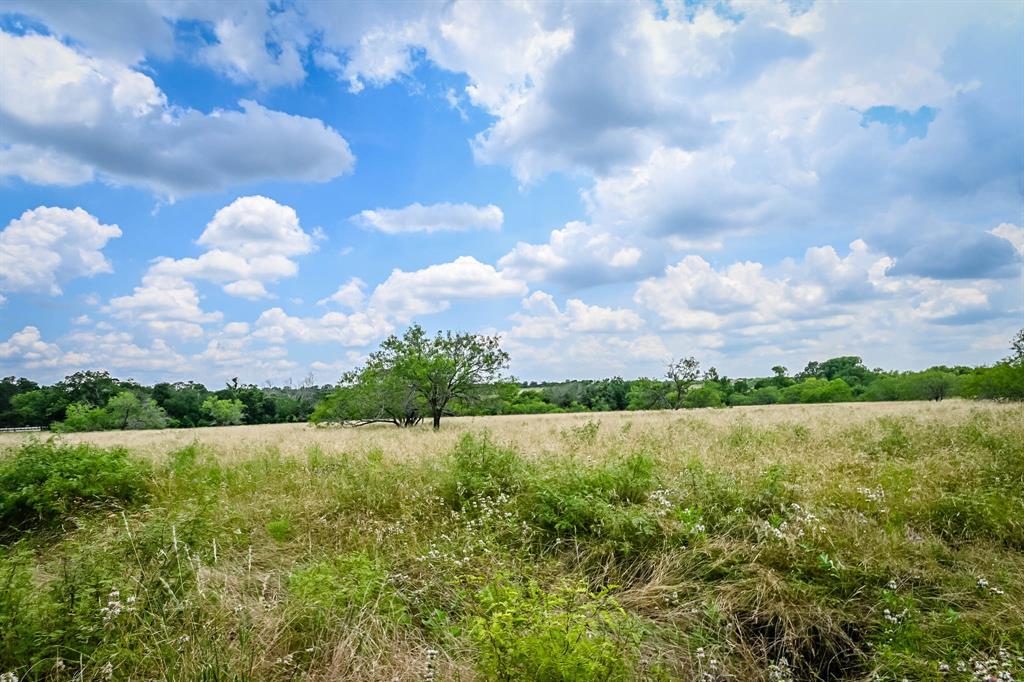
(416, 377)
(96, 401)
(379, 392)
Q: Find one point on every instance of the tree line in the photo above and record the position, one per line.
(417, 377)
(403, 382)
(97, 401)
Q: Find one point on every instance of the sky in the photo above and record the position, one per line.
(193, 190)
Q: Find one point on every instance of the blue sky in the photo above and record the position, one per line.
(199, 190)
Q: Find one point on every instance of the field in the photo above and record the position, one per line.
(847, 541)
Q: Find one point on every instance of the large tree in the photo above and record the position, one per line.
(682, 374)
(439, 369)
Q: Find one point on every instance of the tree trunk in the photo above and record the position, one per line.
(437, 421)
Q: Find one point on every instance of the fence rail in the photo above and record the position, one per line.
(18, 429)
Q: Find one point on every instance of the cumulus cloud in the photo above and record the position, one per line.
(406, 295)
(26, 348)
(580, 255)
(48, 245)
(542, 318)
(443, 217)
(88, 114)
(823, 290)
(1011, 233)
(356, 329)
(351, 294)
(251, 241)
(166, 304)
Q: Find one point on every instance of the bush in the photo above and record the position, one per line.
(83, 417)
(602, 502)
(347, 585)
(525, 633)
(43, 483)
(1004, 381)
(478, 468)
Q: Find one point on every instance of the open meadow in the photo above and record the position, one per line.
(804, 542)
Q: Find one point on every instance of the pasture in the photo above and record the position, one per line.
(804, 542)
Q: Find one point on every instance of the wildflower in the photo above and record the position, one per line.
(982, 583)
(891, 585)
(8, 677)
(107, 671)
(429, 670)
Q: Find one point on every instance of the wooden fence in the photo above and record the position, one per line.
(18, 429)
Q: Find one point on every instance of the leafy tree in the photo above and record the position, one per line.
(183, 402)
(703, 396)
(224, 411)
(92, 387)
(371, 395)
(126, 411)
(9, 388)
(40, 407)
(449, 366)
(1004, 381)
(83, 417)
(814, 390)
(932, 385)
(682, 374)
(648, 394)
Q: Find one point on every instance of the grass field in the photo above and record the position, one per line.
(850, 541)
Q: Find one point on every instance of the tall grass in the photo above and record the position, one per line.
(878, 546)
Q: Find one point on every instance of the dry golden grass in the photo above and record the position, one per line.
(533, 435)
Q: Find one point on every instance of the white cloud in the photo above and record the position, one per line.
(164, 303)
(443, 217)
(42, 166)
(1011, 233)
(87, 114)
(803, 298)
(48, 245)
(543, 319)
(119, 351)
(357, 329)
(256, 226)
(351, 294)
(406, 295)
(580, 254)
(251, 241)
(26, 348)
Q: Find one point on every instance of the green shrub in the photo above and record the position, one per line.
(478, 468)
(82, 417)
(525, 633)
(330, 590)
(41, 484)
(602, 502)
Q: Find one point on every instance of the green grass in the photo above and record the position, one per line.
(890, 550)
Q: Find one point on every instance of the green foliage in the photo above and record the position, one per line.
(371, 394)
(44, 484)
(567, 635)
(703, 396)
(280, 529)
(814, 390)
(328, 591)
(601, 502)
(83, 417)
(1004, 381)
(224, 411)
(479, 468)
(127, 411)
(40, 407)
(9, 389)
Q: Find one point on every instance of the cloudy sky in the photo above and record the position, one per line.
(208, 190)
